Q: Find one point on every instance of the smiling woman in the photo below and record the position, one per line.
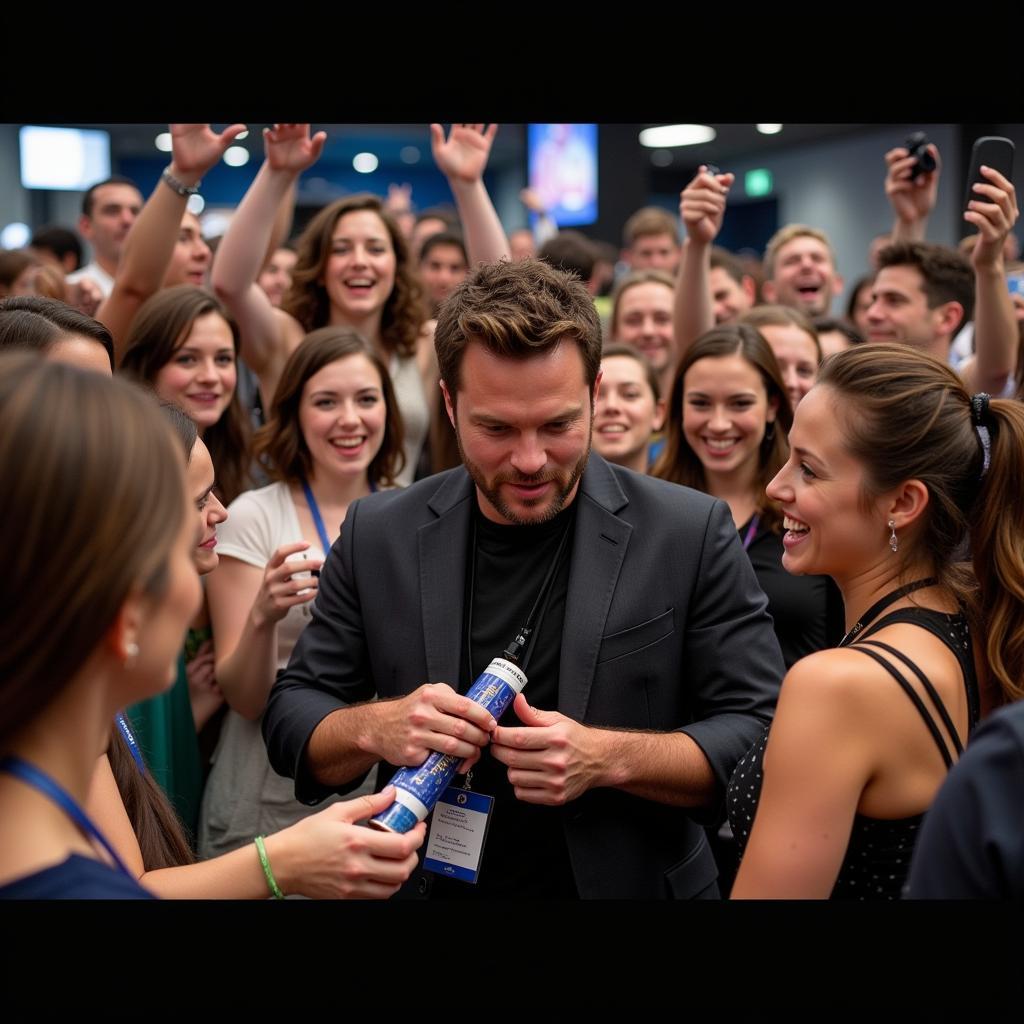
(333, 435)
(184, 345)
(729, 416)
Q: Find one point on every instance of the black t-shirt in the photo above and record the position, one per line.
(807, 611)
(525, 854)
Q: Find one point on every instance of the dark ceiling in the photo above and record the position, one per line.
(733, 141)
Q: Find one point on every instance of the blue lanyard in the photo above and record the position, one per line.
(122, 724)
(751, 530)
(39, 780)
(314, 511)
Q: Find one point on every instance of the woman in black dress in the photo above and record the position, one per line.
(729, 416)
(894, 468)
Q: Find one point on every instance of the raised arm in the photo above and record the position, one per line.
(462, 158)
(246, 604)
(912, 200)
(150, 243)
(993, 212)
(546, 228)
(702, 207)
(289, 151)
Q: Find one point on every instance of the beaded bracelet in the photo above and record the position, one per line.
(265, 861)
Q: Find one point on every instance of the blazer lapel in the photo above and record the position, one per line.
(442, 556)
(598, 551)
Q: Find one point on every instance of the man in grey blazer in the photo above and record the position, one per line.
(653, 665)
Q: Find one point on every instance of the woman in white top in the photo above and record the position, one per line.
(334, 435)
(353, 269)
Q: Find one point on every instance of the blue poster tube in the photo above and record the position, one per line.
(418, 789)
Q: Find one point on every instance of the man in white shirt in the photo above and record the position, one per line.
(109, 210)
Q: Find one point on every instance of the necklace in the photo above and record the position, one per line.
(881, 604)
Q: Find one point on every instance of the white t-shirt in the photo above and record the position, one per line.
(244, 796)
(96, 273)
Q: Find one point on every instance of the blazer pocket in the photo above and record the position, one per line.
(636, 638)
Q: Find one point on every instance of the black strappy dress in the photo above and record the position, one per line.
(878, 857)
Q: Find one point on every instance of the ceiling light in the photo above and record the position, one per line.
(365, 163)
(163, 142)
(236, 156)
(15, 235)
(669, 135)
(769, 129)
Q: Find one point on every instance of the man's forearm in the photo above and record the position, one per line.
(342, 746)
(667, 767)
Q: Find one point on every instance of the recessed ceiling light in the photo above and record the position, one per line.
(669, 135)
(163, 142)
(769, 129)
(15, 235)
(365, 163)
(236, 156)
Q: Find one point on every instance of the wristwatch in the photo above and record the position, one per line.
(178, 186)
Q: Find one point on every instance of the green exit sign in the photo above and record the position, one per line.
(758, 182)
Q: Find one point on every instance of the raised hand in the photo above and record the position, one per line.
(279, 591)
(289, 147)
(463, 155)
(993, 211)
(531, 199)
(84, 295)
(399, 198)
(195, 148)
(702, 204)
(911, 200)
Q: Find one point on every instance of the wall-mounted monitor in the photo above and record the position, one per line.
(562, 162)
(63, 159)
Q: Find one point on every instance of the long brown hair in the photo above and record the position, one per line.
(280, 443)
(679, 463)
(907, 416)
(159, 329)
(157, 827)
(306, 299)
(93, 495)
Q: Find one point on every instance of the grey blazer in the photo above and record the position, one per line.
(665, 629)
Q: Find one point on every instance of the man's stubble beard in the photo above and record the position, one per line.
(493, 494)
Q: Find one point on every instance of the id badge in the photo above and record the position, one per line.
(458, 829)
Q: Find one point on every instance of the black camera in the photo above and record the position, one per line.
(917, 146)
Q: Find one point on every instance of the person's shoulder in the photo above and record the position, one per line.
(260, 499)
(79, 878)
(422, 499)
(839, 675)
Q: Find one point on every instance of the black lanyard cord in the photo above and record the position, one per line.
(527, 634)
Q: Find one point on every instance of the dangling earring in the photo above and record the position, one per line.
(132, 650)
(893, 542)
(769, 432)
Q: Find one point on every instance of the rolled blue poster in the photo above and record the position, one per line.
(418, 789)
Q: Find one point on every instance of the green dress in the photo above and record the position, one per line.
(166, 734)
